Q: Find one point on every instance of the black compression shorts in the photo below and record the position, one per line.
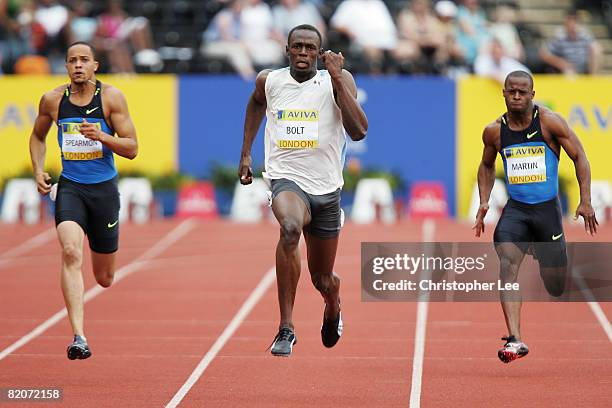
(95, 207)
(540, 224)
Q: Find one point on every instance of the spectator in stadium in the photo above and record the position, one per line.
(421, 38)
(52, 16)
(12, 44)
(370, 28)
(222, 39)
(572, 50)
(446, 11)
(119, 34)
(505, 31)
(82, 24)
(291, 13)
(257, 33)
(495, 64)
(472, 29)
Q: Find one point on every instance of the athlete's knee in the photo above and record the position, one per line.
(290, 233)
(104, 276)
(324, 283)
(555, 289)
(72, 254)
(508, 269)
(554, 280)
(321, 283)
(105, 280)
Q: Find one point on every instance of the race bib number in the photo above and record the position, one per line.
(297, 129)
(526, 164)
(75, 146)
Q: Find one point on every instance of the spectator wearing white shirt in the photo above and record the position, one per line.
(257, 33)
(53, 17)
(223, 39)
(370, 28)
(495, 64)
(505, 31)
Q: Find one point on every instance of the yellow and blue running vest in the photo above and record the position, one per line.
(530, 165)
(83, 160)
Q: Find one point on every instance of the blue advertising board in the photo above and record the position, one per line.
(412, 126)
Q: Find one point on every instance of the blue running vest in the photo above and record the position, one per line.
(531, 166)
(83, 160)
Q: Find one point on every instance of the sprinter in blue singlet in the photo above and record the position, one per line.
(88, 115)
(529, 139)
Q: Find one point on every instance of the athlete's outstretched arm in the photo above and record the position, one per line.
(486, 174)
(354, 119)
(126, 145)
(255, 112)
(38, 145)
(572, 146)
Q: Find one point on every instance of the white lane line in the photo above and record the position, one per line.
(601, 318)
(233, 325)
(28, 245)
(600, 315)
(161, 245)
(428, 233)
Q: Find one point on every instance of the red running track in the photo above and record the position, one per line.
(150, 330)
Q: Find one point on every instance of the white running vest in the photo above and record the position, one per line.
(305, 140)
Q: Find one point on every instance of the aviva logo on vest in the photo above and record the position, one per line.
(525, 151)
(75, 128)
(298, 115)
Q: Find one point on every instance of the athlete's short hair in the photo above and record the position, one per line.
(93, 50)
(519, 74)
(305, 27)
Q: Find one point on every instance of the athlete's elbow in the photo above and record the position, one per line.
(132, 153)
(358, 134)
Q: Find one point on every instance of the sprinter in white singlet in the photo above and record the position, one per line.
(307, 112)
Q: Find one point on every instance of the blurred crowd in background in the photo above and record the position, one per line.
(444, 37)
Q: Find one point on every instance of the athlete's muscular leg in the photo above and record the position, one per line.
(510, 257)
(104, 267)
(554, 279)
(321, 257)
(550, 248)
(292, 214)
(71, 237)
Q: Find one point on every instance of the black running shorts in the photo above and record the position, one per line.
(325, 212)
(95, 207)
(540, 224)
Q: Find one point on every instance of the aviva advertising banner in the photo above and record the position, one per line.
(151, 101)
(584, 102)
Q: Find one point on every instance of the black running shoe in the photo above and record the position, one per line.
(78, 349)
(283, 342)
(331, 330)
(512, 350)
